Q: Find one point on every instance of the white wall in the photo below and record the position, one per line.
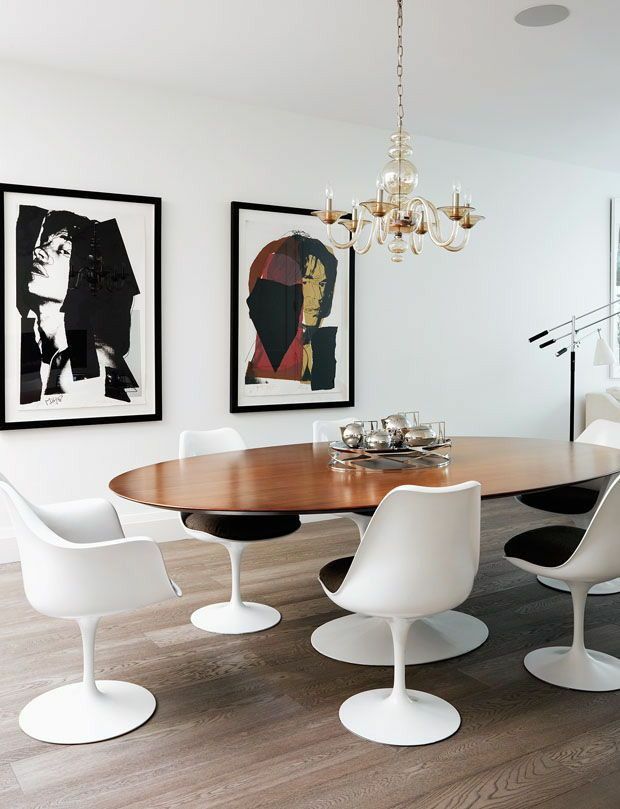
(446, 334)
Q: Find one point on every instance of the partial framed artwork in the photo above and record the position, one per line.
(292, 312)
(614, 286)
(80, 308)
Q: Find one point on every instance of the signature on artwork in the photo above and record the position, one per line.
(53, 401)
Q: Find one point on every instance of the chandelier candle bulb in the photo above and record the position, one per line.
(329, 197)
(456, 194)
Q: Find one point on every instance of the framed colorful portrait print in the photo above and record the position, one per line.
(80, 307)
(292, 316)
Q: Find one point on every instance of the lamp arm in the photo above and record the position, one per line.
(577, 331)
(594, 322)
(579, 317)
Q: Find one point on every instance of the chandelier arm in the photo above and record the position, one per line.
(363, 250)
(434, 226)
(354, 237)
(416, 243)
(341, 245)
(454, 248)
(434, 231)
(360, 227)
(382, 230)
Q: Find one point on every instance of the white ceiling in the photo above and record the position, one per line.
(471, 73)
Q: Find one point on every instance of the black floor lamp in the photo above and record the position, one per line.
(603, 355)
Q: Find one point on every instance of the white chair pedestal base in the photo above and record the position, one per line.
(399, 715)
(235, 617)
(78, 714)
(230, 618)
(418, 719)
(575, 666)
(581, 669)
(368, 641)
(605, 588)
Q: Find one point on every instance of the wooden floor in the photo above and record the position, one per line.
(252, 720)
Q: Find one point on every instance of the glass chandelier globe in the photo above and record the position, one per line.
(397, 248)
(399, 176)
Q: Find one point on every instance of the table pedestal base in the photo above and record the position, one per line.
(368, 641)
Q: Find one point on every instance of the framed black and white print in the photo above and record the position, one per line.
(80, 307)
(292, 315)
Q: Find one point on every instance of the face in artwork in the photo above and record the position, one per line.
(314, 283)
(51, 263)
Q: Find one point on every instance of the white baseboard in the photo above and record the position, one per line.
(162, 527)
(8, 546)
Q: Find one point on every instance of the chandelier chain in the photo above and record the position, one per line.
(399, 65)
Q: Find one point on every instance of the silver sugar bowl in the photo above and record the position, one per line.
(396, 425)
(378, 440)
(420, 435)
(353, 434)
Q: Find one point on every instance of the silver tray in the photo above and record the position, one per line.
(340, 446)
(433, 455)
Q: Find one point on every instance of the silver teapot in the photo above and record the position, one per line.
(419, 436)
(353, 434)
(396, 425)
(378, 440)
(397, 421)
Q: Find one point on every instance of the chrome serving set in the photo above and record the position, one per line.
(400, 441)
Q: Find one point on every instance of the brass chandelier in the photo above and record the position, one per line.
(398, 218)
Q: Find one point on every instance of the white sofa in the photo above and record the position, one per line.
(603, 405)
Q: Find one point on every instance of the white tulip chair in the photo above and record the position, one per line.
(234, 533)
(418, 557)
(579, 503)
(77, 564)
(367, 641)
(581, 558)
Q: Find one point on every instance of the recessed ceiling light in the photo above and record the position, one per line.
(542, 15)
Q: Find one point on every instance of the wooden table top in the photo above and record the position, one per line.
(296, 478)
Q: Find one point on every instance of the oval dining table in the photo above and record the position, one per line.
(297, 479)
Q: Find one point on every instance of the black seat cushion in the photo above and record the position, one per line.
(243, 527)
(365, 512)
(563, 500)
(332, 574)
(549, 546)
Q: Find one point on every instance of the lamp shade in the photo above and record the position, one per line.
(603, 355)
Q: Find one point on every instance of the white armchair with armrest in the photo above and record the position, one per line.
(78, 565)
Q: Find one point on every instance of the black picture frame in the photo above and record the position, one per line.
(156, 202)
(235, 209)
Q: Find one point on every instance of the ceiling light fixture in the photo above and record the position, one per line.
(396, 215)
(538, 16)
